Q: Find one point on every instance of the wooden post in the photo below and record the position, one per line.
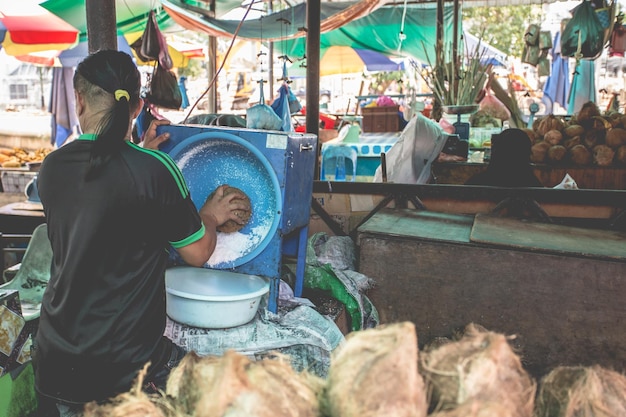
(101, 25)
(313, 16)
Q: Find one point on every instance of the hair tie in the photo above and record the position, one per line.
(121, 93)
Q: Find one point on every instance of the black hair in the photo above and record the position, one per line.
(97, 78)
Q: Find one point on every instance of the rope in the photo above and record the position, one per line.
(401, 35)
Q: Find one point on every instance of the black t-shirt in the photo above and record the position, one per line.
(103, 311)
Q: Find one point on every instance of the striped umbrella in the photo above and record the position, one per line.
(26, 28)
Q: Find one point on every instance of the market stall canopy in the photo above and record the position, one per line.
(346, 60)
(27, 27)
(488, 54)
(368, 25)
(131, 15)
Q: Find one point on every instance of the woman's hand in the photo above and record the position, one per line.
(150, 138)
(222, 206)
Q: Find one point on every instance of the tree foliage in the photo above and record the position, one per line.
(502, 27)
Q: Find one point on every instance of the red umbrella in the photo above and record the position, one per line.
(27, 28)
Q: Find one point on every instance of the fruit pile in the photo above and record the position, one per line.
(584, 139)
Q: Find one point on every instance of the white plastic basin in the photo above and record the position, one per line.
(213, 299)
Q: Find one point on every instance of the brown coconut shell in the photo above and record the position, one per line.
(548, 123)
(577, 391)
(482, 365)
(593, 137)
(580, 155)
(615, 137)
(232, 226)
(539, 152)
(573, 130)
(553, 137)
(374, 373)
(557, 153)
(603, 155)
(571, 142)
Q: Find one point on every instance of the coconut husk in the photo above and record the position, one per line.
(374, 373)
(233, 385)
(477, 407)
(578, 391)
(481, 364)
(134, 403)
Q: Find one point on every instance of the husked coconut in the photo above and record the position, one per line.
(571, 142)
(548, 123)
(374, 373)
(593, 137)
(616, 137)
(482, 365)
(579, 391)
(603, 155)
(539, 152)
(580, 155)
(477, 407)
(557, 153)
(573, 130)
(531, 134)
(553, 137)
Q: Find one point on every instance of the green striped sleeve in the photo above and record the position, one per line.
(190, 239)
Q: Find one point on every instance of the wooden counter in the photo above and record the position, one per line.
(592, 177)
(559, 290)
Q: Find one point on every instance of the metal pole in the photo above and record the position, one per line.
(212, 67)
(313, 16)
(101, 25)
(270, 57)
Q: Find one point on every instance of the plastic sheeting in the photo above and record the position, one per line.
(410, 158)
(303, 334)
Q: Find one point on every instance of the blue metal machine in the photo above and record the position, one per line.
(275, 170)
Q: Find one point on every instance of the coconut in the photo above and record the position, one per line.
(539, 151)
(557, 153)
(578, 391)
(594, 137)
(580, 155)
(233, 385)
(481, 364)
(134, 403)
(477, 407)
(573, 130)
(571, 142)
(553, 137)
(374, 373)
(548, 123)
(603, 155)
(616, 137)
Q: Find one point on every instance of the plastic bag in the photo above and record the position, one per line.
(282, 109)
(262, 116)
(150, 43)
(492, 106)
(164, 91)
(584, 31)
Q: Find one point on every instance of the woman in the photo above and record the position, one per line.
(509, 165)
(113, 208)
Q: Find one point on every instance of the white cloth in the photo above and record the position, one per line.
(409, 159)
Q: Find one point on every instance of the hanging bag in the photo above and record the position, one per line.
(584, 28)
(150, 40)
(164, 90)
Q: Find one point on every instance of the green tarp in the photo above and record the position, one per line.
(380, 31)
